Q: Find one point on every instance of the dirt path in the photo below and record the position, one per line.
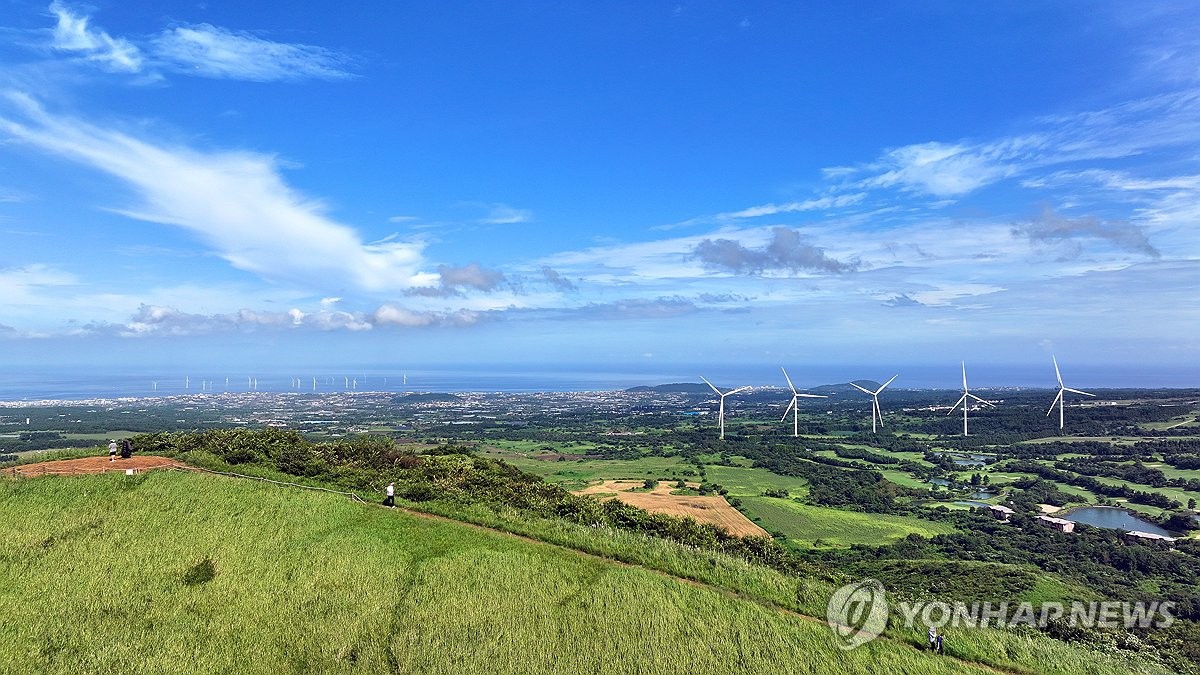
(97, 465)
(92, 465)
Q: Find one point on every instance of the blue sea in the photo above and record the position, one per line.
(29, 384)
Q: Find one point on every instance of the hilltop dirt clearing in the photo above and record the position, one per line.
(92, 465)
(713, 510)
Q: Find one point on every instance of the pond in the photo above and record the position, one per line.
(1114, 519)
(982, 495)
(968, 460)
(972, 503)
(940, 481)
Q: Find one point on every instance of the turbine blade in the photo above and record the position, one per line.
(1054, 403)
(989, 403)
(954, 407)
(1056, 373)
(788, 410)
(734, 391)
(789, 380)
(812, 396)
(964, 366)
(885, 384)
(865, 391)
(710, 385)
(1076, 391)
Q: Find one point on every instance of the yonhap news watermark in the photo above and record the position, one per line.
(859, 612)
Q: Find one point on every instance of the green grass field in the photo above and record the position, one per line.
(93, 580)
(747, 482)
(809, 525)
(1182, 496)
(577, 473)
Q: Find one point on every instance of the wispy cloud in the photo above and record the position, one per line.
(557, 281)
(72, 34)
(201, 50)
(236, 202)
(394, 315)
(787, 251)
(1050, 227)
(210, 51)
(943, 169)
(503, 214)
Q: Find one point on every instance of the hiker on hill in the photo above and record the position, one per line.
(390, 500)
(933, 638)
(938, 649)
(126, 449)
(112, 450)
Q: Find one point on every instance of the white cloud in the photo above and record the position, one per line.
(201, 50)
(236, 202)
(72, 34)
(503, 214)
(940, 169)
(393, 315)
(23, 285)
(210, 51)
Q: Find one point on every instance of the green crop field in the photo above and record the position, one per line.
(746, 482)
(95, 578)
(576, 473)
(808, 525)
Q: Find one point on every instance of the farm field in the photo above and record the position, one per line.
(577, 473)
(310, 582)
(711, 509)
(816, 526)
(751, 482)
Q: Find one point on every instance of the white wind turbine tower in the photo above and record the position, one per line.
(965, 400)
(721, 414)
(1061, 389)
(875, 410)
(793, 406)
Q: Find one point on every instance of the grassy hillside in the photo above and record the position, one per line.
(95, 572)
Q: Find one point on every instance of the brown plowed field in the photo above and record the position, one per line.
(708, 509)
(86, 465)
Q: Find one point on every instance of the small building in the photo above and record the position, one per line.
(1060, 524)
(1135, 536)
(999, 512)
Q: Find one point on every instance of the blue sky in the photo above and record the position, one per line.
(636, 183)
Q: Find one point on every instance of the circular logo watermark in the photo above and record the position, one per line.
(857, 613)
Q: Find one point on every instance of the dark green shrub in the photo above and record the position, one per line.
(202, 572)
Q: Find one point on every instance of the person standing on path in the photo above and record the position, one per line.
(390, 500)
(112, 450)
(932, 638)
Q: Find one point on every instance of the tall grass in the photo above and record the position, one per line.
(94, 578)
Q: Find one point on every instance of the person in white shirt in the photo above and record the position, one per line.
(390, 502)
(112, 451)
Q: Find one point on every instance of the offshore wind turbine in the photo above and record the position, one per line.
(965, 400)
(876, 412)
(793, 405)
(721, 414)
(1061, 389)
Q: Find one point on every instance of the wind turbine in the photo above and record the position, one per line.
(1059, 399)
(964, 400)
(721, 414)
(793, 405)
(875, 411)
